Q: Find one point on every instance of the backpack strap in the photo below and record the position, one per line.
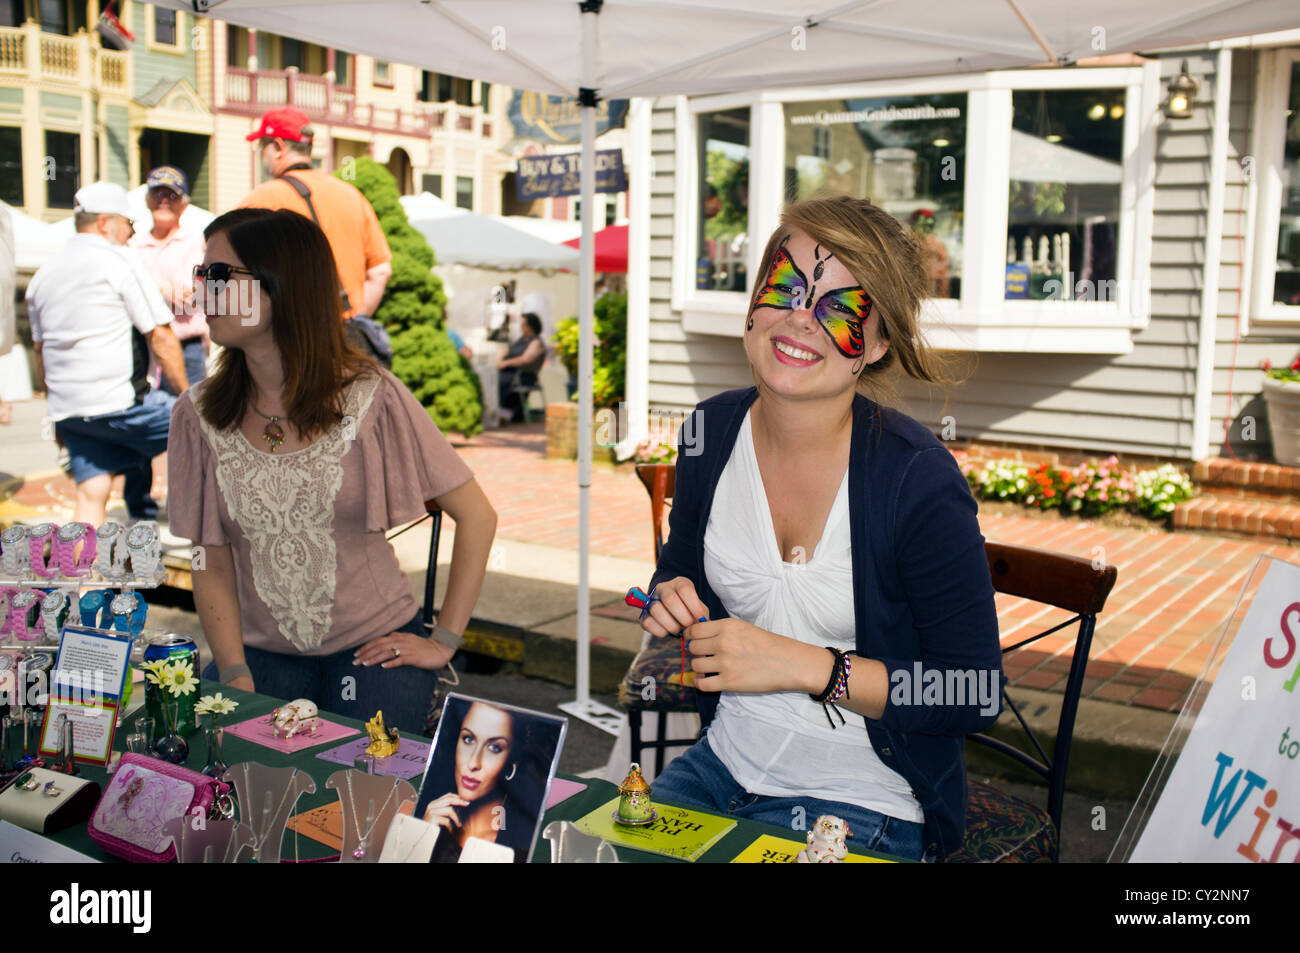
(301, 188)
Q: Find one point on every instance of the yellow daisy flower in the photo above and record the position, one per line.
(179, 679)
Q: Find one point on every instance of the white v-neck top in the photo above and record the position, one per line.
(780, 743)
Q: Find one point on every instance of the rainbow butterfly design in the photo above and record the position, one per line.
(840, 312)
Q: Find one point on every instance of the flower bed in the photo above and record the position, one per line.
(1090, 489)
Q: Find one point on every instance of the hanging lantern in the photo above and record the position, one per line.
(1182, 94)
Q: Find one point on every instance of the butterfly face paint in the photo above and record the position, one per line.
(841, 312)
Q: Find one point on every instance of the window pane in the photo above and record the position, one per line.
(1286, 281)
(342, 68)
(381, 71)
(464, 192)
(431, 184)
(54, 17)
(906, 154)
(65, 149)
(292, 53)
(164, 26)
(724, 201)
(1063, 211)
(11, 166)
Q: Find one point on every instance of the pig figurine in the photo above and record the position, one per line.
(300, 714)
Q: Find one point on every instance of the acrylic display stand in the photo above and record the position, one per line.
(571, 846)
(369, 804)
(216, 842)
(266, 799)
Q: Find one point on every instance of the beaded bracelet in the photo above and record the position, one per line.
(837, 687)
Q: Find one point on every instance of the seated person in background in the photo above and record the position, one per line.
(286, 467)
(815, 518)
(520, 365)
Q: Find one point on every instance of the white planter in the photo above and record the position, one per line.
(1283, 399)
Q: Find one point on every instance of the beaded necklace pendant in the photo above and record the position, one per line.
(273, 434)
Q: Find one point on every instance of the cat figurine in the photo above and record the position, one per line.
(826, 842)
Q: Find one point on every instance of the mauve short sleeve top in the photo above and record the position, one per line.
(315, 573)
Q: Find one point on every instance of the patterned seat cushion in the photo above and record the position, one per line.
(661, 662)
(1004, 829)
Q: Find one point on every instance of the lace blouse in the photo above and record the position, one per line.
(315, 574)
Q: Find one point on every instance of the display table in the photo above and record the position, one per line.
(301, 847)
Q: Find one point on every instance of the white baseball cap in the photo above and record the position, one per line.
(101, 198)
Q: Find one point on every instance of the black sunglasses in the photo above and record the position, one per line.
(217, 271)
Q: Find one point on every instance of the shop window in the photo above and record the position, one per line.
(1276, 127)
(723, 235)
(465, 192)
(11, 166)
(1066, 172)
(906, 154)
(64, 148)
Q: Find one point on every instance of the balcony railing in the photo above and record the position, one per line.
(320, 100)
(69, 60)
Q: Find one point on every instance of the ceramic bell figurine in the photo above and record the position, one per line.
(826, 842)
(634, 805)
(384, 741)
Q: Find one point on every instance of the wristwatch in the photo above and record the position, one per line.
(144, 549)
(6, 595)
(111, 560)
(37, 538)
(94, 608)
(24, 612)
(54, 613)
(71, 563)
(16, 555)
(128, 611)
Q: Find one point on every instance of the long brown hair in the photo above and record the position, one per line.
(291, 258)
(886, 260)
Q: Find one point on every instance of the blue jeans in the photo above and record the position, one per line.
(403, 693)
(699, 779)
(125, 441)
(196, 363)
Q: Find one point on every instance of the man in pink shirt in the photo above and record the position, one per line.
(169, 253)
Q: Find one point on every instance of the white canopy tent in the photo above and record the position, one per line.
(625, 48)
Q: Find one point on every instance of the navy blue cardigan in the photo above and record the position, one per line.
(921, 585)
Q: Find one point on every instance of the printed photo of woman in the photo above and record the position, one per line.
(488, 776)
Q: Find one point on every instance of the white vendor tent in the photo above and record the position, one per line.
(625, 48)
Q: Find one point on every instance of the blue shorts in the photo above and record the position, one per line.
(117, 442)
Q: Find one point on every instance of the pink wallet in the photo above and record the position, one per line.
(142, 796)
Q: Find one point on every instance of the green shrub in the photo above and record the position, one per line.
(610, 357)
(424, 359)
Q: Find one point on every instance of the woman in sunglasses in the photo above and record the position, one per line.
(824, 562)
(287, 465)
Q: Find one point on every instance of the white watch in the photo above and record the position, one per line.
(17, 553)
(144, 549)
(111, 558)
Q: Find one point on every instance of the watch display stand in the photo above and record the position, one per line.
(266, 799)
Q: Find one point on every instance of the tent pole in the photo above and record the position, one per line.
(582, 706)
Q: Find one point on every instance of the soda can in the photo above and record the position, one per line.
(179, 715)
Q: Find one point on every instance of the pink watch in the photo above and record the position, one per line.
(38, 536)
(71, 563)
(24, 611)
(6, 597)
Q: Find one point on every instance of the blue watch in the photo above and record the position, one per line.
(128, 611)
(95, 610)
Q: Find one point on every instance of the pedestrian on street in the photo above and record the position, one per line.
(96, 316)
(361, 255)
(169, 252)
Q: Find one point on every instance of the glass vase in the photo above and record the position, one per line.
(172, 746)
(216, 765)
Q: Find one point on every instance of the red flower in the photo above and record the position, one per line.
(1295, 365)
(1049, 493)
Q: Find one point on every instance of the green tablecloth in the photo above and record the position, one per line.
(236, 750)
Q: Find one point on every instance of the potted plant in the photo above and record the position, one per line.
(1282, 394)
(609, 372)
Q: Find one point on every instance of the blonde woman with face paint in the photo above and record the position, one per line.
(830, 544)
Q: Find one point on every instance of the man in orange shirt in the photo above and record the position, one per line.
(284, 139)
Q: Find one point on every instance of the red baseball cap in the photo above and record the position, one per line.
(282, 124)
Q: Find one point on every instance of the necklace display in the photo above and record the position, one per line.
(272, 433)
(257, 847)
(360, 850)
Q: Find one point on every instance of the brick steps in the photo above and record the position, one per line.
(1243, 497)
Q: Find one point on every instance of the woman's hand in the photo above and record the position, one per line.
(404, 648)
(730, 655)
(675, 607)
(443, 811)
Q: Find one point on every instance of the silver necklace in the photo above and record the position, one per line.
(360, 850)
(257, 847)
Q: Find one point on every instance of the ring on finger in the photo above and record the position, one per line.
(397, 653)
